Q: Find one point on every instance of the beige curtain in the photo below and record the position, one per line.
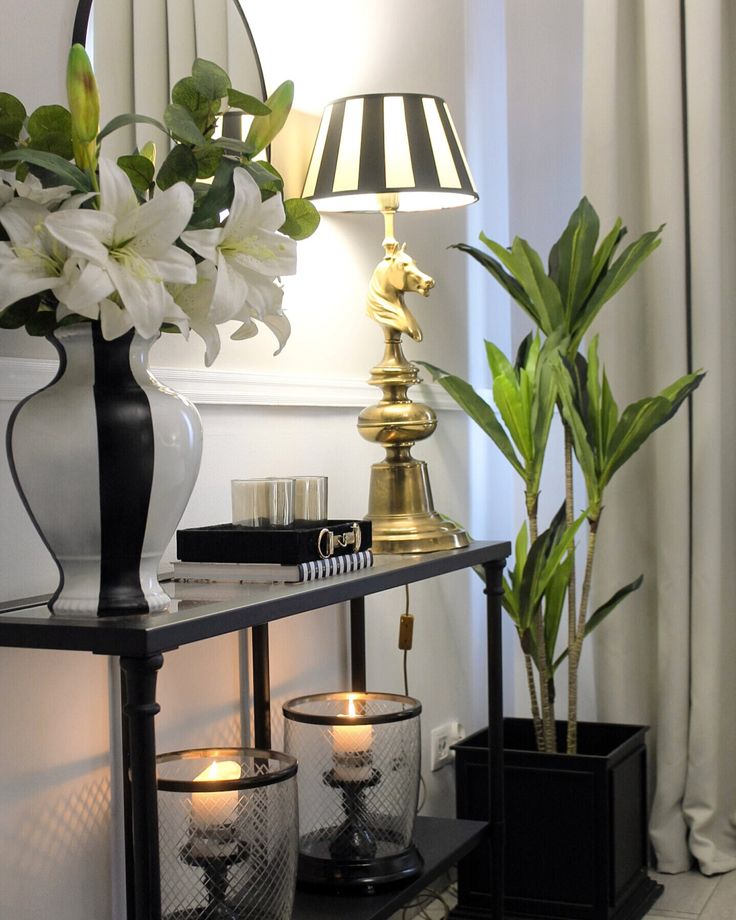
(659, 146)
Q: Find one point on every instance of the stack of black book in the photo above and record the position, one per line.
(234, 553)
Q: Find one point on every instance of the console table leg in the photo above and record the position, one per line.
(357, 645)
(261, 687)
(494, 593)
(139, 675)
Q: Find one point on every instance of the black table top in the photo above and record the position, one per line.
(201, 611)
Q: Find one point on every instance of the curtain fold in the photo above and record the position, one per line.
(659, 146)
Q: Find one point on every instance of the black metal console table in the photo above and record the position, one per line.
(204, 612)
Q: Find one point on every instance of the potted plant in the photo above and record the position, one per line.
(575, 792)
(103, 256)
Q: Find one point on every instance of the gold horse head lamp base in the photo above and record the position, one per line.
(400, 505)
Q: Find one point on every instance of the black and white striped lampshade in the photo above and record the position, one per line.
(404, 144)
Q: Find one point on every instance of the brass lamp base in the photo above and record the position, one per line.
(401, 512)
(400, 506)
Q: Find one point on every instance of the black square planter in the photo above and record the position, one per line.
(576, 826)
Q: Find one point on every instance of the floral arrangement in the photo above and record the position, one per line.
(202, 240)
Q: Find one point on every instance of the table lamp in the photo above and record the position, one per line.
(388, 152)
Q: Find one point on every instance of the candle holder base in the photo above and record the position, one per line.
(318, 869)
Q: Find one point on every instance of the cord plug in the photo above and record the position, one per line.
(406, 631)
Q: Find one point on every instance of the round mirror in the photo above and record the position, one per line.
(141, 48)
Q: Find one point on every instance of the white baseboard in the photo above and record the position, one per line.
(21, 376)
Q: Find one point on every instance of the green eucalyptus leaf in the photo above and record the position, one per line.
(210, 79)
(264, 128)
(139, 170)
(269, 181)
(182, 126)
(129, 118)
(302, 218)
(67, 172)
(12, 107)
(50, 129)
(179, 166)
(246, 103)
(7, 143)
(233, 145)
(19, 313)
(217, 199)
(208, 159)
(42, 322)
(478, 410)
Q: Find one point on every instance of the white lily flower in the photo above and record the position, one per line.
(129, 251)
(33, 261)
(31, 188)
(249, 254)
(195, 300)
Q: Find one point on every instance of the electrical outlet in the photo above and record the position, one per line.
(440, 741)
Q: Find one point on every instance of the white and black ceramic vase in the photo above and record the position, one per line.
(105, 459)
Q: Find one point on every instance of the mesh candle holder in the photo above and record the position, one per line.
(228, 834)
(359, 757)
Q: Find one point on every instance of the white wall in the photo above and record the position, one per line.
(55, 741)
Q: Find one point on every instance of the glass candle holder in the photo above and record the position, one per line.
(359, 764)
(228, 834)
(263, 502)
(310, 499)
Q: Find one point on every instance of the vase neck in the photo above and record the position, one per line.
(116, 363)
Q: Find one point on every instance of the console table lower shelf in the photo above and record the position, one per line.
(441, 841)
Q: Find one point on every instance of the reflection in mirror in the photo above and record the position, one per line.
(141, 48)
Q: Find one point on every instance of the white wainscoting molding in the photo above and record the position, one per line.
(21, 376)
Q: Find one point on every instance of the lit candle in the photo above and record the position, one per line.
(351, 746)
(210, 809)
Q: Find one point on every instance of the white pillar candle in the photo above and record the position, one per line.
(349, 742)
(210, 809)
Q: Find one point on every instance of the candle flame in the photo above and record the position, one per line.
(217, 770)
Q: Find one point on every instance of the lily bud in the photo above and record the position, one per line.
(148, 150)
(84, 105)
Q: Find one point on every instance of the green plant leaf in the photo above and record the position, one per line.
(49, 121)
(182, 126)
(478, 410)
(268, 179)
(246, 103)
(507, 281)
(68, 172)
(130, 118)
(12, 116)
(18, 313)
(218, 197)
(613, 280)
(571, 258)
(302, 218)
(603, 611)
(264, 128)
(208, 159)
(579, 432)
(554, 602)
(210, 79)
(179, 166)
(139, 170)
(641, 419)
(603, 255)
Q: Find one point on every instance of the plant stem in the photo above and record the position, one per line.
(577, 647)
(572, 682)
(536, 717)
(548, 712)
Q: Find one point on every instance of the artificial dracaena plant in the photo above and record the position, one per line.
(563, 301)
